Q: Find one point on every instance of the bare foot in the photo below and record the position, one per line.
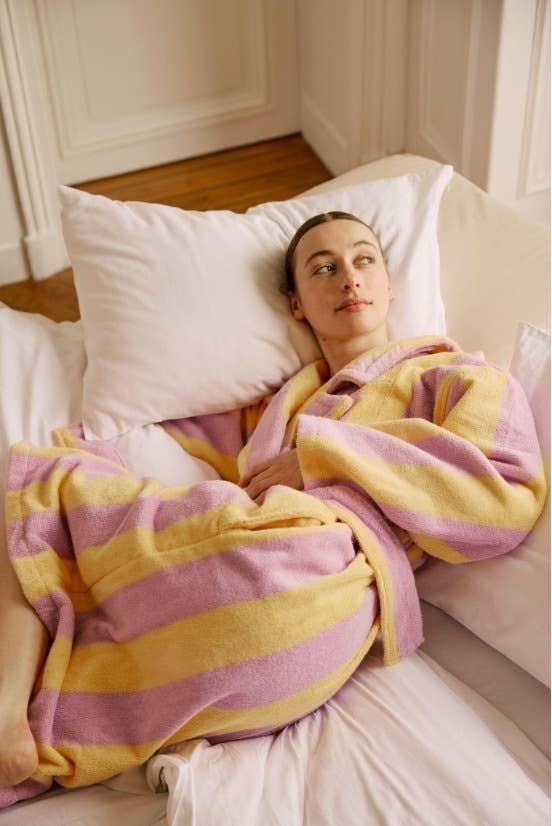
(18, 755)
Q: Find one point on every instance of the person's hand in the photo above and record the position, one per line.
(283, 470)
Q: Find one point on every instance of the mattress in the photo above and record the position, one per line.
(456, 733)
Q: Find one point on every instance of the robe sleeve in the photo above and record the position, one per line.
(462, 472)
(218, 438)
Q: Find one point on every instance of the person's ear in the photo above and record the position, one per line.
(295, 307)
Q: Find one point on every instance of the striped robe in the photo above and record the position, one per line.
(193, 611)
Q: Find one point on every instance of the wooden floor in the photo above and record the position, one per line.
(234, 179)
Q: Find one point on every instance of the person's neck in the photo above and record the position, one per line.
(339, 353)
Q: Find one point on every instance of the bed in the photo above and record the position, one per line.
(455, 733)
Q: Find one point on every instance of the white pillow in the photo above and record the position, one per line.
(41, 374)
(506, 600)
(182, 312)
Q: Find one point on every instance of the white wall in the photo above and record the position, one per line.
(352, 62)
(465, 82)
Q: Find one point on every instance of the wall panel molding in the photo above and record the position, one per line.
(174, 80)
(534, 174)
(78, 133)
(384, 79)
(29, 148)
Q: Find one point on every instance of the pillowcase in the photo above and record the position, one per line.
(182, 311)
(506, 600)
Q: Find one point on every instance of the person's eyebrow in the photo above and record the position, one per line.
(319, 252)
(357, 243)
(330, 252)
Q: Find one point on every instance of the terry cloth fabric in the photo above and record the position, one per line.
(193, 611)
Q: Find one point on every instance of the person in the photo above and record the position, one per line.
(404, 449)
(337, 281)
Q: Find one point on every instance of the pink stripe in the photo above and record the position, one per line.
(38, 532)
(246, 573)
(23, 791)
(99, 447)
(155, 714)
(57, 613)
(29, 467)
(266, 440)
(515, 456)
(422, 399)
(516, 452)
(471, 540)
(221, 430)
(95, 525)
(458, 453)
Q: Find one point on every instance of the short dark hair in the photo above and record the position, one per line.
(323, 218)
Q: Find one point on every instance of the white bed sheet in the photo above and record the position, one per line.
(510, 689)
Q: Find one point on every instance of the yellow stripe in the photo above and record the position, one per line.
(56, 664)
(64, 438)
(225, 465)
(440, 549)
(44, 572)
(221, 636)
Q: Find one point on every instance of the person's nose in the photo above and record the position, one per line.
(350, 277)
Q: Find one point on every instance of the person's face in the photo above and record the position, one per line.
(342, 285)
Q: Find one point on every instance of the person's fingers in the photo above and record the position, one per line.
(258, 485)
(255, 472)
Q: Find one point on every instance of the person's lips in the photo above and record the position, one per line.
(352, 303)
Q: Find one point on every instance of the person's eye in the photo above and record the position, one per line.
(367, 259)
(324, 269)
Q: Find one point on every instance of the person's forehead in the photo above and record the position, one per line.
(340, 231)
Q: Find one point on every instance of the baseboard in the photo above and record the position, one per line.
(13, 263)
(47, 253)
